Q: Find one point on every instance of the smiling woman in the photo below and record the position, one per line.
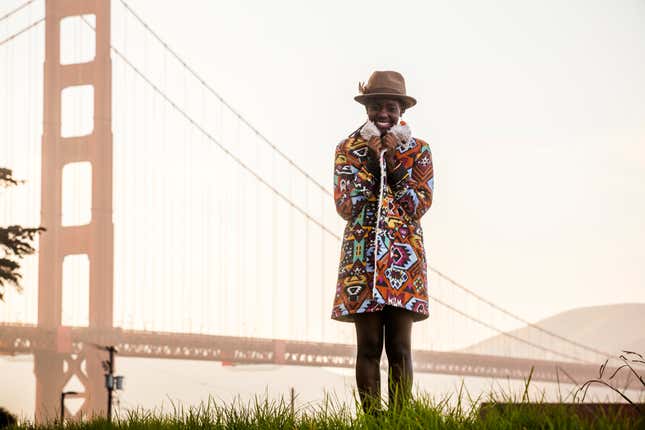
(383, 184)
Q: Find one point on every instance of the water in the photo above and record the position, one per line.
(162, 384)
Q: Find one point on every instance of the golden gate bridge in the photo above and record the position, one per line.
(176, 229)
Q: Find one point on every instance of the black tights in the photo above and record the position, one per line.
(395, 325)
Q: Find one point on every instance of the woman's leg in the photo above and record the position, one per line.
(398, 333)
(369, 337)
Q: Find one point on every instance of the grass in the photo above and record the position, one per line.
(419, 414)
(502, 411)
(423, 412)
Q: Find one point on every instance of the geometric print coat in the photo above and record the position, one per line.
(382, 259)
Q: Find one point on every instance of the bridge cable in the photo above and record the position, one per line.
(215, 141)
(13, 36)
(224, 102)
(19, 8)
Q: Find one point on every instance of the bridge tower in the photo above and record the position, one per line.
(54, 366)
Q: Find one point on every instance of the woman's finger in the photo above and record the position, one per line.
(389, 141)
(375, 143)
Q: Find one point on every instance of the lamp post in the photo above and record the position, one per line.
(112, 382)
(62, 403)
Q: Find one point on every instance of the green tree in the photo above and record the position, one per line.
(16, 242)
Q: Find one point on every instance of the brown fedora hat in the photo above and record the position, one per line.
(385, 84)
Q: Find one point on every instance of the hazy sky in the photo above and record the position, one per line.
(535, 114)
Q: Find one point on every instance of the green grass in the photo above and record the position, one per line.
(421, 413)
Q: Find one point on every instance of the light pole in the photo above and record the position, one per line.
(112, 382)
(62, 404)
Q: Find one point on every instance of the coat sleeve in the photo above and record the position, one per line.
(354, 182)
(413, 187)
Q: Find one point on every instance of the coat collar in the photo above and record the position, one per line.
(401, 131)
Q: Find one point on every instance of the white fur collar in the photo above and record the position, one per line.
(401, 131)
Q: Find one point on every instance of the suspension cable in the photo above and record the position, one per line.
(18, 9)
(13, 36)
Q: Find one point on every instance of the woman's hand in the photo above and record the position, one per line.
(374, 144)
(389, 142)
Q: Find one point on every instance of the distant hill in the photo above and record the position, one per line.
(609, 328)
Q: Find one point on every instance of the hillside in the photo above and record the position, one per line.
(609, 328)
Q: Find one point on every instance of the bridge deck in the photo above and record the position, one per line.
(26, 339)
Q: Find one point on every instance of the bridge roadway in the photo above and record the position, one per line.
(26, 339)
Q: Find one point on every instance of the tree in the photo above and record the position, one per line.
(7, 419)
(16, 242)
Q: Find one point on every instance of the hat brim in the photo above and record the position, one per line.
(365, 98)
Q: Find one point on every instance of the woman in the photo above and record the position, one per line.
(383, 184)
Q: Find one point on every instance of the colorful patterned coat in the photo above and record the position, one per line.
(389, 210)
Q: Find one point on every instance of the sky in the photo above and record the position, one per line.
(534, 113)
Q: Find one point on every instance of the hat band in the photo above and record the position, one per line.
(382, 90)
